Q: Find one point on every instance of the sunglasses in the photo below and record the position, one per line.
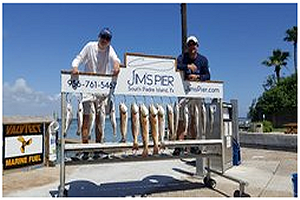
(106, 37)
(192, 44)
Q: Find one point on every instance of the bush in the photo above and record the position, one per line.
(267, 126)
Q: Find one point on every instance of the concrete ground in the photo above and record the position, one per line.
(268, 173)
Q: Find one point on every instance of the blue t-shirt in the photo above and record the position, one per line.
(201, 62)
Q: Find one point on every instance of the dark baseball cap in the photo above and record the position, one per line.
(105, 33)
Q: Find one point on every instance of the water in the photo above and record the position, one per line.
(108, 132)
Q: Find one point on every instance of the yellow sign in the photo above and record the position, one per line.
(25, 160)
(23, 144)
(17, 129)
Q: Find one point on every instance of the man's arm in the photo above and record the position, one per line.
(205, 72)
(180, 65)
(79, 59)
(116, 69)
(188, 68)
(116, 61)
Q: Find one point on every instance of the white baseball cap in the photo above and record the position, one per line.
(192, 38)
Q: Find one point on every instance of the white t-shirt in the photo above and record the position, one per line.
(96, 60)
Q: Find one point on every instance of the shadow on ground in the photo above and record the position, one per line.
(148, 185)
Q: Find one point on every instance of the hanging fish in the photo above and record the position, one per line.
(69, 117)
(154, 127)
(212, 110)
(112, 116)
(176, 117)
(135, 125)
(123, 121)
(186, 119)
(79, 118)
(161, 125)
(197, 120)
(92, 118)
(170, 114)
(144, 118)
(204, 119)
(102, 116)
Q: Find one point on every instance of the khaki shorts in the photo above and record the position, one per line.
(87, 106)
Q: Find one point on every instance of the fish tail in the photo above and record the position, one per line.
(145, 152)
(162, 145)
(135, 146)
(155, 150)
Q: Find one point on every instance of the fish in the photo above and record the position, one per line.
(161, 125)
(79, 118)
(186, 119)
(102, 115)
(197, 122)
(204, 120)
(135, 125)
(170, 114)
(69, 117)
(144, 119)
(154, 127)
(92, 119)
(212, 110)
(176, 117)
(123, 121)
(113, 120)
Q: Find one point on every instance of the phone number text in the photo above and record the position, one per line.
(91, 84)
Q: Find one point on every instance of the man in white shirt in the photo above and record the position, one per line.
(97, 57)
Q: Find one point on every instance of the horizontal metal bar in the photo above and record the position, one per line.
(137, 158)
(241, 182)
(128, 145)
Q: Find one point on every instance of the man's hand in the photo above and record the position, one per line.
(75, 71)
(116, 69)
(192, 67)
(192, 77)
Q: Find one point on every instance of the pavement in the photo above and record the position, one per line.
(268, 173)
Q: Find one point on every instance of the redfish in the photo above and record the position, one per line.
(144, 119)
(123, 121)
(154, 127)
(161, 125)
(135, 125)
(170, 114)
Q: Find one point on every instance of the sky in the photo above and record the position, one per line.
(40, 40)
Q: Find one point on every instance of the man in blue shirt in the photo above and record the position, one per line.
(194, 65)
(195, 68)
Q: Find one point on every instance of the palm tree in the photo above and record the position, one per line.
(278, 60)
(291, 36)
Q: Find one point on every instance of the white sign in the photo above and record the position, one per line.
(149, 76)
(23, 145)
(207, 89)
(87, 83)
(143, 75)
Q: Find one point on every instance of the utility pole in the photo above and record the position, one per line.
(183, 27)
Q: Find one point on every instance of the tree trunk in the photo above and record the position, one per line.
(277, 71)
(295, 57)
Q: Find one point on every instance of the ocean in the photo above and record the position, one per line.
(108, 133)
